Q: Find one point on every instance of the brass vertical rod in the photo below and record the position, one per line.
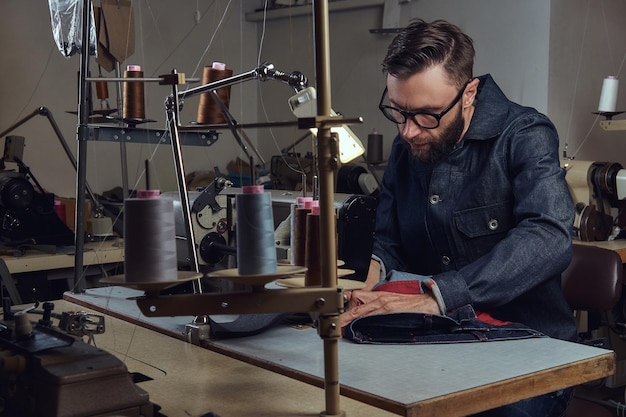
(328, 254)
(332, 387)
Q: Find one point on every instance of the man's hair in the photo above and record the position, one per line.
(423, 45)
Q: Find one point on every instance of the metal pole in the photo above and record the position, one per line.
(327, 210)
(120, 112)
(82, 135)
(173, 116)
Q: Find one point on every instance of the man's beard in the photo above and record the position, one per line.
(443, 145)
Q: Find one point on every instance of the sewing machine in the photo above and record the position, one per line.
(213, 217)
(49, 371)
(599, 193)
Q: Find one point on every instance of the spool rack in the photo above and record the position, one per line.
(326, 300)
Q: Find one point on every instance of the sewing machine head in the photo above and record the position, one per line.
(599, 191)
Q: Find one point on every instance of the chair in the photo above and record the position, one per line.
(592, 283)
(593, 279)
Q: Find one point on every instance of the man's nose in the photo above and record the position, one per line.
(410, 128)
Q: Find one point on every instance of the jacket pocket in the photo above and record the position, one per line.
(484, 221)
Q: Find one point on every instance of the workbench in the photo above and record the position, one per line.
(58, 260)
(417, 380)
(184, 380)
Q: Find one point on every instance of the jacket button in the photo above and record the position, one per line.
(434, 199)
(445, 260)
(493, 224)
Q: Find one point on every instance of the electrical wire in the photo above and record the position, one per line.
(206, 50)
(576, 82)
(301, 170)
(590, 3)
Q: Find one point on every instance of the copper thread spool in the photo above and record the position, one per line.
(102, 90)
(210, 112)
(134, 108)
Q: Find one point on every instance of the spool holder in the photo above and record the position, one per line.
(327, 300)
(609, 124)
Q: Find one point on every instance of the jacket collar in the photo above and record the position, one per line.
(491, 110)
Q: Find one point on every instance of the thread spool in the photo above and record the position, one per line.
(292, 241)
(148, 193)
(210, 112)
(375, 148)
(23, 326)
(133, 94)
(102, 90)
(149, 240)
(608, 96)
(101, 226)
(313, 274)
(59, 207)
(299, 237)
(256, 253)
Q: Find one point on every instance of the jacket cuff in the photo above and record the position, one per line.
(429, 285)
(383, 270)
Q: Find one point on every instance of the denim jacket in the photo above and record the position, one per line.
(491, 223)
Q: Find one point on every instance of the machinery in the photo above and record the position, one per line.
(48, 371)
(213, 217)
(28, 216)
(599, 193)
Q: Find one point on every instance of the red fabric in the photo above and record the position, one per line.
(487, 318)
(401, 287)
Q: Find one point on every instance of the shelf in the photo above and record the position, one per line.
(613, 125)
(154, 136)
(305, 10)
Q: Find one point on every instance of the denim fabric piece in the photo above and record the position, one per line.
(461, 326)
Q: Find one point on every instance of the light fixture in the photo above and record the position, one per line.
(304, 104)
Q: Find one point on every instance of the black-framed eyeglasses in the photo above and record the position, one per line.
(423, 119)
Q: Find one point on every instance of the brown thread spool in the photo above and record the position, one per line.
(313, 274)
(210, 112)
(299, 237)
(134, 108)
(102, 90)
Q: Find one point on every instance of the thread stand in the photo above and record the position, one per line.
(327, 300)
(609, 124)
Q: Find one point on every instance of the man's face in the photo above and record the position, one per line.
(433, 145)
(431, 92)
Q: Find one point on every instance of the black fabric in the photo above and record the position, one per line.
(243, 325)
(461, 326)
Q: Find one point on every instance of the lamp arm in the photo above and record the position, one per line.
(263, 72)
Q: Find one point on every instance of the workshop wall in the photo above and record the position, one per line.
(512, 43)
(586, 45)
(550, 55)
(169, 35)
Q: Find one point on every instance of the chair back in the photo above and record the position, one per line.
(593, 280)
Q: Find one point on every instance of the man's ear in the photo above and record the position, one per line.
(470, 92)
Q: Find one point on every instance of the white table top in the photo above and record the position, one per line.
(398, 378)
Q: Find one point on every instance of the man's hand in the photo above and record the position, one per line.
(364, 303)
